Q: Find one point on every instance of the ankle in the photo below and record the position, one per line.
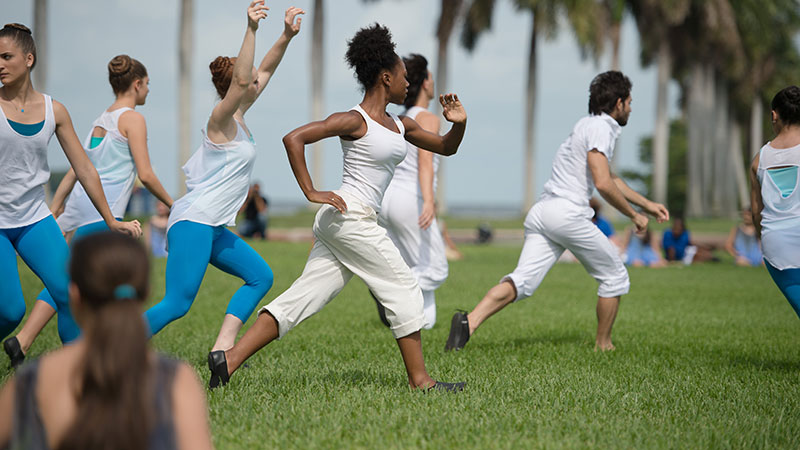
(421, 382)
(24, 344)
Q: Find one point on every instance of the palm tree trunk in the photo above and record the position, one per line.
(694, 123)
(756, 125)
(530, 118)
(720, 150)
(185, 57)
(707, 118)
(615, 35)
(40, 31)
(661, 133)
(448, 15)
(738, 167)
(317, 87)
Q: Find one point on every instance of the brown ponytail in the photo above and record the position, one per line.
(22, 36)
(222, 73)
(123, 71)
(111, 273)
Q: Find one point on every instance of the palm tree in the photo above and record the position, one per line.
(317, 85)
(582, 15)
(185, 57)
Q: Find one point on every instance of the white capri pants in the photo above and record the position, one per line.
(347, 244)
(422, 250)
(554, 224)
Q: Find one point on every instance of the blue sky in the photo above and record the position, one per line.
(487, 171)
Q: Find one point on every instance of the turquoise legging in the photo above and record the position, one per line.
(788, 282)
(192, 246)
(81, 232)
(43, 248)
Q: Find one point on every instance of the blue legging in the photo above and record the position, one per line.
(191, 247)
(43, 248)
(788, 281)
(80, 233)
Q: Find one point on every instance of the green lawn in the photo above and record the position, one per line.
(707, 357)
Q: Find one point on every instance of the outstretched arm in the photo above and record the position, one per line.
(428, 122)
(221, 126)
(656, 210)
(346, 124)
(86, 173)
(133, 126)
(275, 54)
(444, 145)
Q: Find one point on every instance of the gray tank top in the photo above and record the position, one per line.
(28, 431)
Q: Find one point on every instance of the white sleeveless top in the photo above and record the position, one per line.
(406, 175)
(369, 161)
(780, 218)
(114, 163)
(217, 181)
(24, 171)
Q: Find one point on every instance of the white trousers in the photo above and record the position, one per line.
(348, 244)
(422, 250)
(555, 224)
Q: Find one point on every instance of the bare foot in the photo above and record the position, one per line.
(608, 347)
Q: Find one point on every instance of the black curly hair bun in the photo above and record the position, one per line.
(369, 52)
(787, 104)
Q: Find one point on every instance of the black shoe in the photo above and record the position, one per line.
(14, 351)
(381, 310)
(459, 332)
(218, 365)
(448, 387)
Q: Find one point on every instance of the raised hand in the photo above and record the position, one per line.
(452, 108)
(292, 27)
(132, 228)
(327, 198)
(255, 12)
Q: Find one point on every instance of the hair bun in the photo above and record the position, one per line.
(220, 66)
(18, 26)
(120, 65)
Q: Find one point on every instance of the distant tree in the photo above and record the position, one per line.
(185, 58)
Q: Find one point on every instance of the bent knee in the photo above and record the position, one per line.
(614, 286)
(261, 280)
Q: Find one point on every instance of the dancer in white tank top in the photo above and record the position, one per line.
(561, 218)
(28, 119)
(775, 181)
(408, 211)
(117, 147)
(349, 240)
(217, 182)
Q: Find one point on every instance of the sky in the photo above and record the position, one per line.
(485, 173)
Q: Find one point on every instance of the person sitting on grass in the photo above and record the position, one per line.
(742, 242)
(108, 390)
(641, 250)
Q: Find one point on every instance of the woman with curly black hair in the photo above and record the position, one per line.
(348, 238)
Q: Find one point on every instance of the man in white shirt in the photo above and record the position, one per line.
(561, 219)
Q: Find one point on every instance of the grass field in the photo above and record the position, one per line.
(707, 357)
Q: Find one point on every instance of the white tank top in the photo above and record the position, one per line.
(114, 163)
(369, 161)
(406, 175)
(780, 218)
(24, 171)
(217, 181)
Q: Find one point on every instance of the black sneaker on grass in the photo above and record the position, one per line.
(14, 351)
(459, 332)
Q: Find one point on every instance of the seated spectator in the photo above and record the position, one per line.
(108, 389)
(642, 250)
(743, 244)
(675, 242)
(155, 231)
(604, 224)
(255, 214)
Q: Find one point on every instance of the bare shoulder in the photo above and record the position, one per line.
(131, 118)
